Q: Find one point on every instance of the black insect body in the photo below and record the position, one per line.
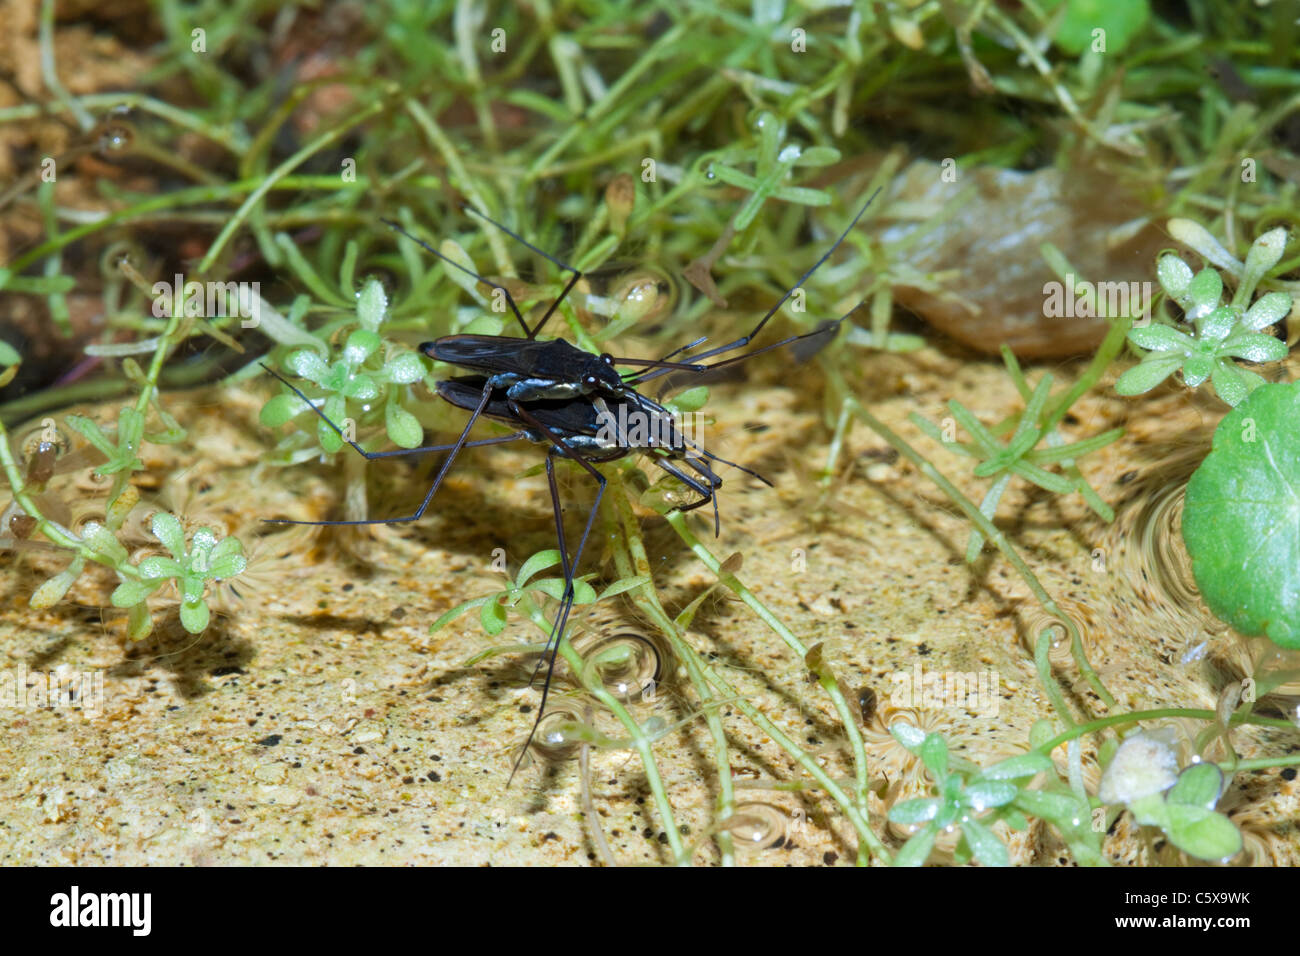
(577, 404)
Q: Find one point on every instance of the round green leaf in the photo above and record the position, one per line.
(1174, 274)
(404, 368)
(194, 617)
(360, 345)
(402, 427)
(280, 409)
(1201, 833)
(1241, 519)
(307, 364)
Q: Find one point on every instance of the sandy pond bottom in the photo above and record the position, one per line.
(317, 721)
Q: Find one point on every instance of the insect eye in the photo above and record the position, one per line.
(591, 380)
(607, 358)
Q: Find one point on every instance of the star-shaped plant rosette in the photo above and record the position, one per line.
(1021, 456)
(206, 559)
(1221, 333)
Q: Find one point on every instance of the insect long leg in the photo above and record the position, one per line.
(746, 339)
(437, 482)
(568, 565)
(545, 255)
(514, 308)
(400, 452)
(396, 227)
(706, 491)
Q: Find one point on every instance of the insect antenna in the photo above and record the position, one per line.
(746, 339)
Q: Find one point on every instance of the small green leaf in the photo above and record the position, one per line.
(167, 529)
(91, 431)
(1228, 382)
(1263, 255)
(360, 345)
(1241, 517)
(1201, 833)
(691, 400)
(1013, 768)
(625, 584)
(1057, 807)
(914, 812)
(402, 427)
(538, 562)
(1203, 293)
(161, 568)
(934, 754)
(8, 354)
(1147, 374)
(1216, 326)
(917, 849)
(372, 303)
(227, 559)
(307, 364)
(330, 440)
(1267, 310)
(987, 794)
(1199, 785)
(281, 409)
(104, 542)
(1174, 275)
(1160, 338)
(988, 849)
(404, 368)
(361, 388)
(131, 592)
(448, 616)
(818, 156)
(1119, 23)
(583, 593)
(1196, 369)
(1254, 347)
(195, 616)
(493, 617)
(909, 735)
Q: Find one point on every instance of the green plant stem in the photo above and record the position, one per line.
(50, 74)
(990, 531)
(193, 196)
(1133, 717)
(631, 560)
(269, 181)
(644, 748)
(438, 139)
(229, 138)
(678, 522)
(55, 533)
(1047, 679)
